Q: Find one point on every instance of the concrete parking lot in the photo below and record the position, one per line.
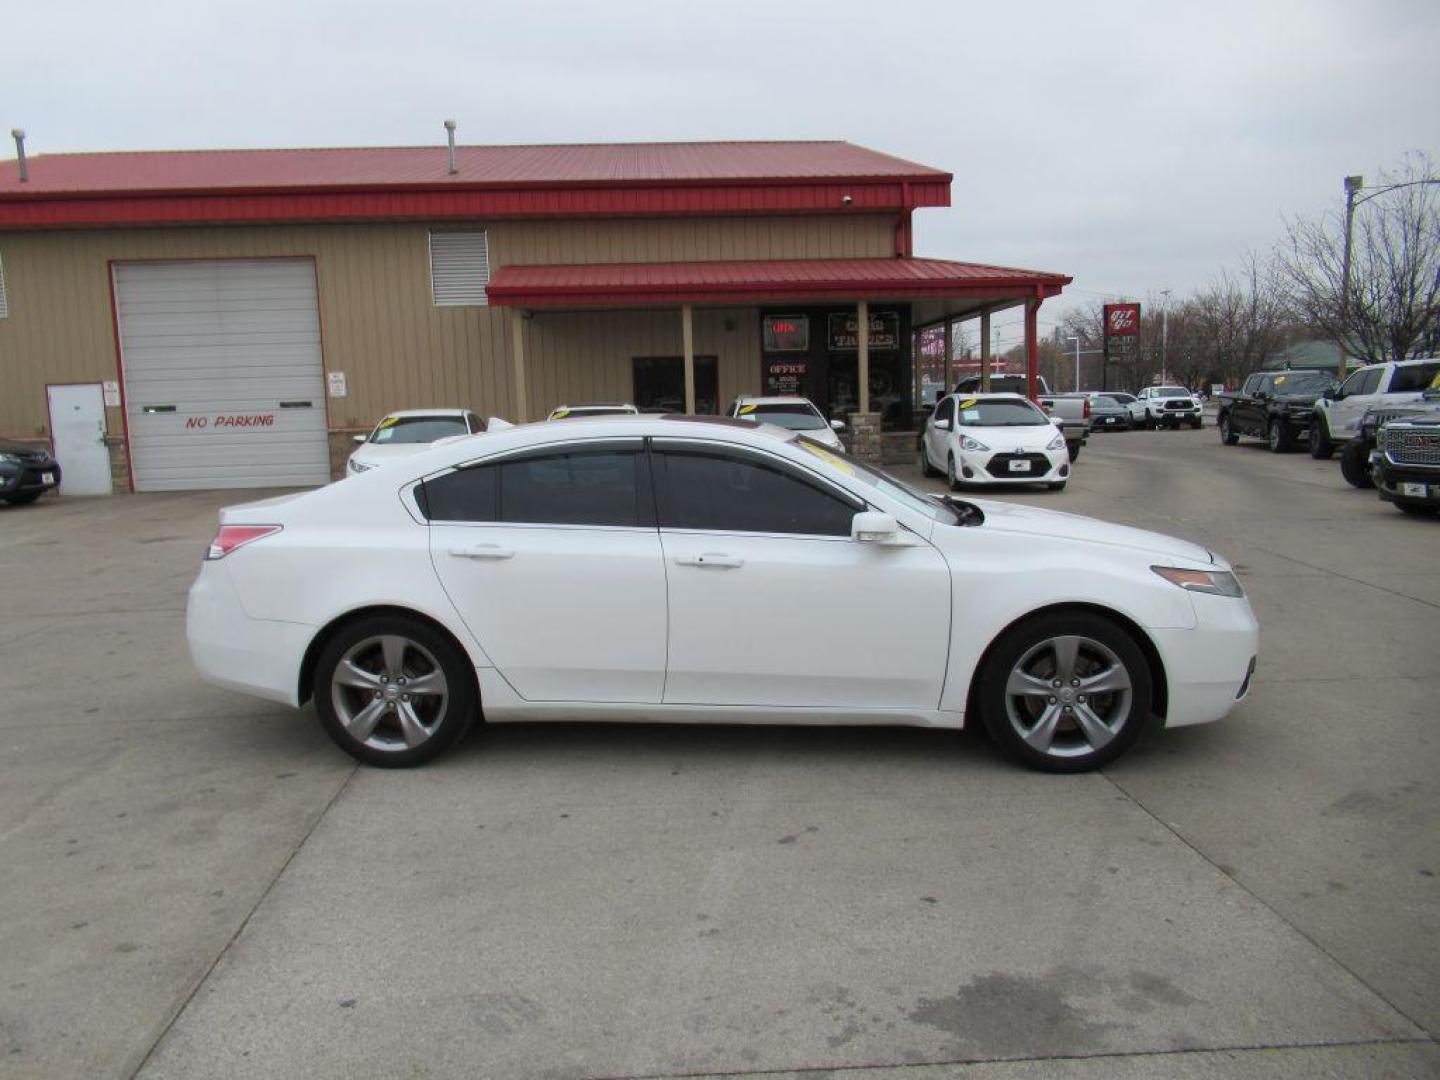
(198, 884)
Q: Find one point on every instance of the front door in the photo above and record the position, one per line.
(773, 604)
(1347, 412)
(77, 427)
(937, 439)
(553, 561)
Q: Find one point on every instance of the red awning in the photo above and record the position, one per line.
(762, 281)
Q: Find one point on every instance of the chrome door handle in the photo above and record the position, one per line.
(483, 551)
(716, 559)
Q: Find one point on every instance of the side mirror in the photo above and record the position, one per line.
(1332, 393)
(943, 425)
(873, 527)
(837, 425)
(361, 438)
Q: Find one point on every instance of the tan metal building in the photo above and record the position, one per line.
(232, 318)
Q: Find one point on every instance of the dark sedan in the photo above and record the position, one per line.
(26, 473)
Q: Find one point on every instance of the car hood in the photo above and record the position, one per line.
(1033, 521)
(1296, 399)
(1008, 439)
(379, 453)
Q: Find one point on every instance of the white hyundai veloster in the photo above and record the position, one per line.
(672, 569)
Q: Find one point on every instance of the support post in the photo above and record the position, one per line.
(949, 354)
(517, 357)
(1032, 347)
(985, 352)
(862, 352)
(687, 330)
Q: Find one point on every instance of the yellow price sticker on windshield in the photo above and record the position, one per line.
(559, 414)
(968, 403)
(827, 457)
(389, 421)
(746, 410)
(1280, 379)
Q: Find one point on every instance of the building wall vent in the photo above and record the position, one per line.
(459, 269)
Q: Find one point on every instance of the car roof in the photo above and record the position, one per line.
(408, 413)
(747, 399)
(995, 395)
(597, 405)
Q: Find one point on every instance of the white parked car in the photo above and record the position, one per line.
(575, 412)
(1133, 404)
(1170, 406)
(993, 439)
(792, 413)
(665, 569)
(406, 433)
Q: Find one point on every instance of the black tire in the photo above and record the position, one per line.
(952, 478)
(1227, 433)
(1070, 752)
(1073, 450)
(926, 469)
(1321, 448)
(446, 720)
(1198, 423)
(1418, 509)
(23, 499)
(1278, 437)
(1355, 464)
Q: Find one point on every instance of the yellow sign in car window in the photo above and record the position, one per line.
(389, 421)
(746, 410)
(559, 414)
(827, 457)
(968, 403)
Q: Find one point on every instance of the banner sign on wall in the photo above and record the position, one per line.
(884, 331)
(785, 378)
(786, 333)
(1122, 320)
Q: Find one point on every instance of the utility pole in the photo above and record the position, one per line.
(1164, 334)
(1076, 340)
(1353, 184)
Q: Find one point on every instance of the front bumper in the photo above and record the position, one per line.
(1046, 467)
(1178, 416)
(1416, 484)
(1208, 668)
(30, 476)
(230, 649)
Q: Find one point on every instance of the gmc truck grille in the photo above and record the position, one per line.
(1410, 447)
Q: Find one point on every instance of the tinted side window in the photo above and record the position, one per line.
(1352, 384)
(578, 487)
(1251, 385)
(946, 410)
(465, 495)
(1371, 381)
(740, 493)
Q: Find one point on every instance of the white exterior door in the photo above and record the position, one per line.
(77, 427)
(224, 383)
(553, 561)
(772, 603)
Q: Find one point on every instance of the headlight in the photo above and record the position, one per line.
(1214, 582)
(967, 443)
(10, 459)
(358, 466)
(1057, 443)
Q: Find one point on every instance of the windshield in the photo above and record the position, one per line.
(884, 483)
(999, 412)
(796, 417)
(1172, 391)
(1302, 382)
(418, 429)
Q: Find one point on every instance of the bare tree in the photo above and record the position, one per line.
(1240, 321)
(1394, 299)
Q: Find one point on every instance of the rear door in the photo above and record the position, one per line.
(773, 604)
(553, 560)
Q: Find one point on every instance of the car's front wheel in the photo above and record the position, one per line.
(23, 499)
(393, 691)
(1066, 692)
(1227, 433)
(1355, 465)
(1320, 445)
(950, 477)
(1277, 437)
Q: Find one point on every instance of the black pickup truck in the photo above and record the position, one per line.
(1277, 406)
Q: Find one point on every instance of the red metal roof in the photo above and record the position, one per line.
(759, 281)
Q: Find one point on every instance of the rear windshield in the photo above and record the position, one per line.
(1105, 403)
(418, 429)
(999, 413)
(1413, 379)
(1124, 399)
(794, 417)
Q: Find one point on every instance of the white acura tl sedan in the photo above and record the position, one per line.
(688, 570)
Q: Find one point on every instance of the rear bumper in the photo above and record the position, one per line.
(254, 656)
(1207, 669)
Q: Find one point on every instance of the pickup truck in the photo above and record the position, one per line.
(1071, 416)
(1170, 406)
(1338, 415)
(1405, 464)
(1277, 406)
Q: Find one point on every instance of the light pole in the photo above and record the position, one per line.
(1164, 332)
(1076, 340)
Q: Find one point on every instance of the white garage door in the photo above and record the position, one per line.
(224, 384)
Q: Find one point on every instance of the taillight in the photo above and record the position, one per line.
(1086, 414)
(231, 537)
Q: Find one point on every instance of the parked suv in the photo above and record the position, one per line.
(1338, 417)
(26, 473)
(1170, 406)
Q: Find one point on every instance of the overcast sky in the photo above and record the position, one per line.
(1136, 146)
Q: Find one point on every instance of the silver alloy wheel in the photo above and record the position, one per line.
(389, 692)
(1068, 696)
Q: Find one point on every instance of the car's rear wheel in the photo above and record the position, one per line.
(1320, 445)
(1066, 692)
(1355, 465)
(1227, 433)
(393, 691)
